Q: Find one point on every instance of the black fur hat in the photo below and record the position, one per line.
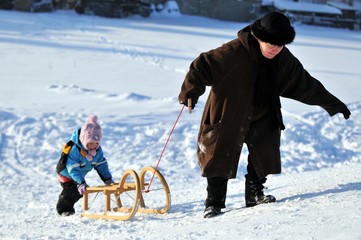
(274, 28)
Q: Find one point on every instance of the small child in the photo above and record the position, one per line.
(85, 155)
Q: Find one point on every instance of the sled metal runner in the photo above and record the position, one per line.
(130, 196)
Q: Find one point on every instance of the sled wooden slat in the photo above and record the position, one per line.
(136, 188)
(113, 187)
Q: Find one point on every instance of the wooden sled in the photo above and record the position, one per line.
(130, 196)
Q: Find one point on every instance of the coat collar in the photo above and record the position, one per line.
(251, 44)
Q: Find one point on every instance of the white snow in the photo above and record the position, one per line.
(58, 68)
(341, 6)
(286, 5)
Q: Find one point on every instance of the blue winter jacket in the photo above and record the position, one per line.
(77, 166)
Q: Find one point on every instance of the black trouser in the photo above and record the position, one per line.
(251, 172)
(217, 191)
(260, 138)
(263, 143)
(68, 197)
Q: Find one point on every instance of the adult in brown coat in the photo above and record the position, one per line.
(247, 76)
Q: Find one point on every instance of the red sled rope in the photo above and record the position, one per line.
(166, 143)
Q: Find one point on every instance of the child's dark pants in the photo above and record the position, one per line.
(67, 198)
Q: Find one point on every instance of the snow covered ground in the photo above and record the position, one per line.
(58, 68)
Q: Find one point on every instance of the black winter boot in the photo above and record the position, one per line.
(211, 211)
(254, 193)
(216, 197)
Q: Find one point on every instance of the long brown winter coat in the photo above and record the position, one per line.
(231, 70)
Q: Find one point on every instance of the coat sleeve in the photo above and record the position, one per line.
(101, 167)
(198, 77)
(73, 166)
(209, 69)
(298, 84)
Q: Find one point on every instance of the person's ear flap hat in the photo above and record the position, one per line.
(90, 132)
(274, 28)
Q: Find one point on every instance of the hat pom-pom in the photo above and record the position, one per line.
(93, 152)
(89, 157)
(93, 119)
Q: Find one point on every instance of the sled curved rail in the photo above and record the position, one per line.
(130, 196)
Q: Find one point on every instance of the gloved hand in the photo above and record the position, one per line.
(185, 103)
(346, 112)
(82, 188)
(109, 182)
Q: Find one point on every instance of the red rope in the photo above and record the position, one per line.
(165, 145)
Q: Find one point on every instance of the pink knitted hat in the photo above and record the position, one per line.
(90, 132)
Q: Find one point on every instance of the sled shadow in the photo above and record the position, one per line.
(340, 189)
